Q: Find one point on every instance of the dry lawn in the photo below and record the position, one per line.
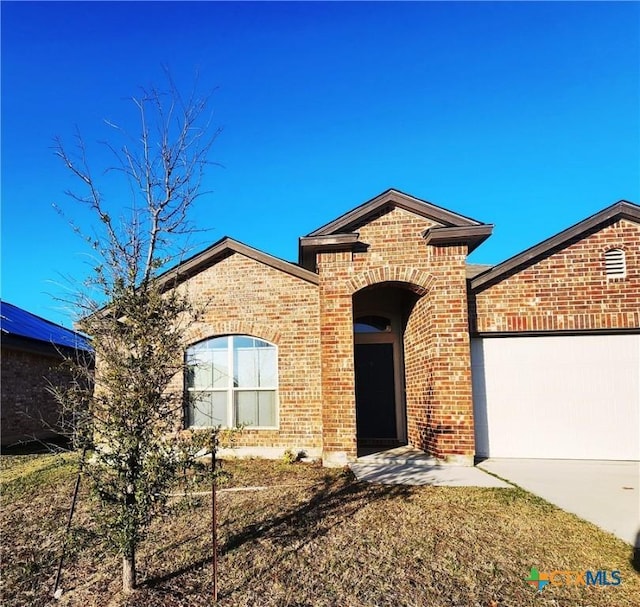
(313, 537)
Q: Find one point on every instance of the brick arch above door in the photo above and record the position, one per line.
(418, 280)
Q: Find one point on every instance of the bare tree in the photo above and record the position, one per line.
(136, 323)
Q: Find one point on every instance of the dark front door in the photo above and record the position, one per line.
(375, 392)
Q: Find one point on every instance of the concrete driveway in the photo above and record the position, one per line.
(605, 493)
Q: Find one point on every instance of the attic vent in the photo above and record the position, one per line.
(614, 264)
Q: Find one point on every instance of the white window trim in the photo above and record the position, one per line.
(231, 390)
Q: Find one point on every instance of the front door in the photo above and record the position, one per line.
(375, 393)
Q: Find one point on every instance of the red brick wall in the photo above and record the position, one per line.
(27, 406)
(243, 296)
(437, 359)
(418, 350)
(447, 378)
(568, 290)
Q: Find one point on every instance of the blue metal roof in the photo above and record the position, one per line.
(20, 323)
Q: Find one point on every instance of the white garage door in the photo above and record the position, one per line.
(566, 397)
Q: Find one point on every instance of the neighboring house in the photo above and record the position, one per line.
(371, 338)
(32, 351)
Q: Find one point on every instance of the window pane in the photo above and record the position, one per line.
(189, 379)
(372, 324)
(246, 368)
(208, 368)
(268, 367)
(267, 408)
(218, 343)
(219, 410)
(215, 343)
(200, 409)
(209, 409)
(242, 341)
(220, 369)
(255, 367)
(246, 408)
(200, 370)
(255, 408)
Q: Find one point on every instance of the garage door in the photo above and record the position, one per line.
(568, 397)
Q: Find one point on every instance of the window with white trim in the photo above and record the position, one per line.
(615, 265)
(232, 381)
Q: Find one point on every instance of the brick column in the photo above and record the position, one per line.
(339, 443)
(449, 432)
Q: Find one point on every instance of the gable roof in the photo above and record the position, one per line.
(20, 324)
(452, 228)
(224, 248)
(393, 198)
(623, 209)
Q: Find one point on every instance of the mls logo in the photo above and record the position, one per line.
(537, 579)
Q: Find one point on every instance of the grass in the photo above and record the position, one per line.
(314, 537)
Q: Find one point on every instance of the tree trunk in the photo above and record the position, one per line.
(128, 572)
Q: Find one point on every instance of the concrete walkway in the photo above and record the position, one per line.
(409, 466)
(605, 493)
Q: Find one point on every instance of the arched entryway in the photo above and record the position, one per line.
(380, 314)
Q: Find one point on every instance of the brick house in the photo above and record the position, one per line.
(32, 350)
(371, 338)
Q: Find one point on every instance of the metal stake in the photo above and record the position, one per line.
(214, 521)
(66, 532)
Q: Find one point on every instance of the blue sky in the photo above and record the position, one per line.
(525, 115)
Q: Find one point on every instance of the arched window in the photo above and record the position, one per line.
(232, 381)
(372, 324)
(615, 265)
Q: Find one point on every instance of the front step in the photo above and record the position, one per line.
(400, 456)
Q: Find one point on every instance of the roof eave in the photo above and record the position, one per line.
(308, 246)
(45, 348)
(223, 248)
(472, 236)
(399, 199)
